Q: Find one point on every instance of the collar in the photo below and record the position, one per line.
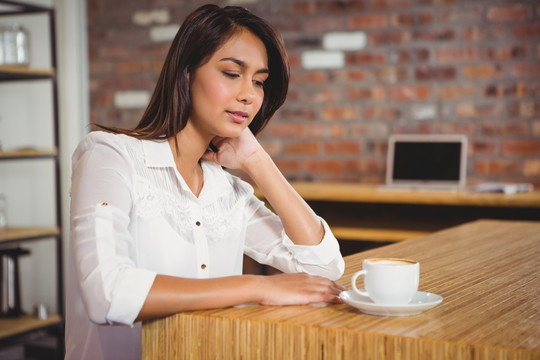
(157, 153)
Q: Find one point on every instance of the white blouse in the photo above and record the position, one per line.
(133, 216)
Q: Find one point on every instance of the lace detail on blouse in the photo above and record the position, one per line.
(157, 193)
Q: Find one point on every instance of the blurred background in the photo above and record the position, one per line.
(360, 71)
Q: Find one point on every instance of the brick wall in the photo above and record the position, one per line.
(361, 70)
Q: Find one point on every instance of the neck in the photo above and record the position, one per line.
(187, 148)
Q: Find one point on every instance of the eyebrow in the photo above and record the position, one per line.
(243, 64)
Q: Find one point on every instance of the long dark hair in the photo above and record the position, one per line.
(203, 32)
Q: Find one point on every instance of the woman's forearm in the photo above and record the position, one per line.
(299, 221)
(169, 295)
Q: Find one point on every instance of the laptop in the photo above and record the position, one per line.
(426, 161)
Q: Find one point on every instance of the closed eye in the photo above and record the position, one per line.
(230, 75)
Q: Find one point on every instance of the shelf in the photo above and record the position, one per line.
(10, 7)
(24, 153)
(8, 73)
(27, 233)
(23, 324)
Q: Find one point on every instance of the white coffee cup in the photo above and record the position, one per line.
(388, 280)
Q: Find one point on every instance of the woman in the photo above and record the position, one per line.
(158, 227)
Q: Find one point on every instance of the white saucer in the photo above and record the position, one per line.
(422, 301)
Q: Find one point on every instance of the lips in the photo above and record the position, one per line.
(238, 116)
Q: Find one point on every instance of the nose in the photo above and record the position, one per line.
(246, 92)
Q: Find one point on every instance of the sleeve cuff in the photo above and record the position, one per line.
(322, 254)
(130, 295)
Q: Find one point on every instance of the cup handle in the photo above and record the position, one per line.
(353, 282)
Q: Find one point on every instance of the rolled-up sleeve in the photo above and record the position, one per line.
(113, 289)
(267, 243)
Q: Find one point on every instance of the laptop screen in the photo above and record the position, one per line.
(427, 160)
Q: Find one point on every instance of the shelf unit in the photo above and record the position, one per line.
(14, 330)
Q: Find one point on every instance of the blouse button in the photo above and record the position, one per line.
(198, 223)
(203, 266)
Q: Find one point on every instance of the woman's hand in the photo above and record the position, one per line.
(235, 153)
(298, 289)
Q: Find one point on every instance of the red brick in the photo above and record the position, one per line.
(456, 128)
(531, 168)
(470, 110)
(295, 61)
(315, 77)
(285, 130)
(484, 32)
(496, 167)
(323, 24)
(504, 13)
(102, 99)
(459, 15)
(286, 24)
(388, 38)
(439, 73)
(343, 147)
(97, 68)
(436, 2)
(371, 166)
(408, 92)
(404, 19)
(132, 66)
(504, 129)
(273, 147)
(482, 71)
(390, 4)
(431, 35)
(288, 166)
(114, 51)
(309, 147)
(457, 55)
(527, 31)
(325, 131)
(520, 147)
(381, 113)
(324, 95)
(415, 128)
(501, 90)
(368, 21)
(406, 56)
(535, 128)
(526, 69)
(483, 147)
(289, 113)
(390, 75)
(524, 109)
(507, 52)
(345, 6)
(363, 58)
(338, 113)
(456, 92)
(346, 75)
(324, 166)
(376, 93)
(375, 129)
(306, 8)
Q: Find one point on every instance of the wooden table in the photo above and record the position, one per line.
(487, 272)
(358, 211)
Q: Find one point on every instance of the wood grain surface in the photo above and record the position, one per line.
(354, 192)
(486, 271)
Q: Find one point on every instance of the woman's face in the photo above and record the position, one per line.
(227, 91)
